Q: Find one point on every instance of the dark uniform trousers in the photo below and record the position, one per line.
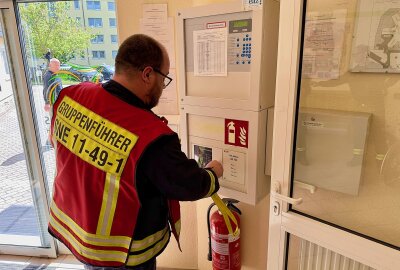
(150, 265)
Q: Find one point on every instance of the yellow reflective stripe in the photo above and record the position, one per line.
(178, 227)
(110, 196)
(93, 239)
(94, 254)
(145, 256)
(148, 241)
(212, 184)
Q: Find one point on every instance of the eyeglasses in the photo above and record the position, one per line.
(167, 80)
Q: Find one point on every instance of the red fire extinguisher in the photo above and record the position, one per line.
(224, 234)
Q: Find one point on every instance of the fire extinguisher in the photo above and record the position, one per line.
(224, 234)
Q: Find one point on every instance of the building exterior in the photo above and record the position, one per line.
(100, 17)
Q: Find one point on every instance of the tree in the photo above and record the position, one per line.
(48, 26)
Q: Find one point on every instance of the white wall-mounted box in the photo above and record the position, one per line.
(205, 136)
(227, 87)
(228, 55)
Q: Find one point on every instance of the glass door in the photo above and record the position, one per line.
(336, 144)
(62, 43)
(23, 201)
(80, 38)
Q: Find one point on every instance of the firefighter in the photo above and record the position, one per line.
(120, 171)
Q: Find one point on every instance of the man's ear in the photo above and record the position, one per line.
(146, 74)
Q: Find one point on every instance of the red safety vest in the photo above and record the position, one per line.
(98, 140)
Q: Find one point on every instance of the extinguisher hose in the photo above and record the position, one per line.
(209, 256)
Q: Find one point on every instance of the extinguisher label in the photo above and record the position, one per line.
(218, 235)
(226, 251)
(220, 247)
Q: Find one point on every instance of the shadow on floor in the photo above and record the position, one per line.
(19, 220)
(21, 156)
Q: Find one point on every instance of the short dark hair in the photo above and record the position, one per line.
(137, 52)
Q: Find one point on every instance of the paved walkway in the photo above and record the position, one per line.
(17, 211)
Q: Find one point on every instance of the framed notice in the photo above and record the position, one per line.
(376, 43)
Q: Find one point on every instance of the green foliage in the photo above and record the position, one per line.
(47, 25)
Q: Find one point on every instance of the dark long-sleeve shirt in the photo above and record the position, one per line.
(163, 172)
(50, 80)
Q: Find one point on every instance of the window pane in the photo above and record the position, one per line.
(348, 136)
(111, 6)
(93, 5)
(114, 39)
(98, 54)
(98, 39)
(95, 22)
(113, 22)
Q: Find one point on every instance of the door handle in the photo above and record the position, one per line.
(275, 192)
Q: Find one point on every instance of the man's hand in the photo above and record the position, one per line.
(216, 167)
(47, 107)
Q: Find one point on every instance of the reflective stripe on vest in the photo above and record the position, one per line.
(110, 196)
(98, 253)
(177, 227)
(94, 254)
(93, 239)
(134, 260)
(150, 240)
(212, 184)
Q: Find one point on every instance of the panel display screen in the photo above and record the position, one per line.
(240, 26)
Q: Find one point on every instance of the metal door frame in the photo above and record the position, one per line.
(282, 221)
(23, 105)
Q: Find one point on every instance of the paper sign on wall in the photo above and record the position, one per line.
(252, 4)
(236, 132)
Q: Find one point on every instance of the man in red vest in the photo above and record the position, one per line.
(120, 169)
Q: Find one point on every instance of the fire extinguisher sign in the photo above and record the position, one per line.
(237, 132)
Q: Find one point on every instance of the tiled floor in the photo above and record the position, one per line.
(63, 262)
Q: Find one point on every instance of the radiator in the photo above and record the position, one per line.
(314, 257)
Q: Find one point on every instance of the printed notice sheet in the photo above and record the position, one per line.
(210, 52)
(234, 167)
(158, 25)
(376, 43)
(163, 33)
(155, 13)
(323, 42)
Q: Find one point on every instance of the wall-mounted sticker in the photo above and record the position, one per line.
(236, 132)
(252, 4)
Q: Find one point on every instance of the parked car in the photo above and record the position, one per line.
(87, 74)
(107, 71)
